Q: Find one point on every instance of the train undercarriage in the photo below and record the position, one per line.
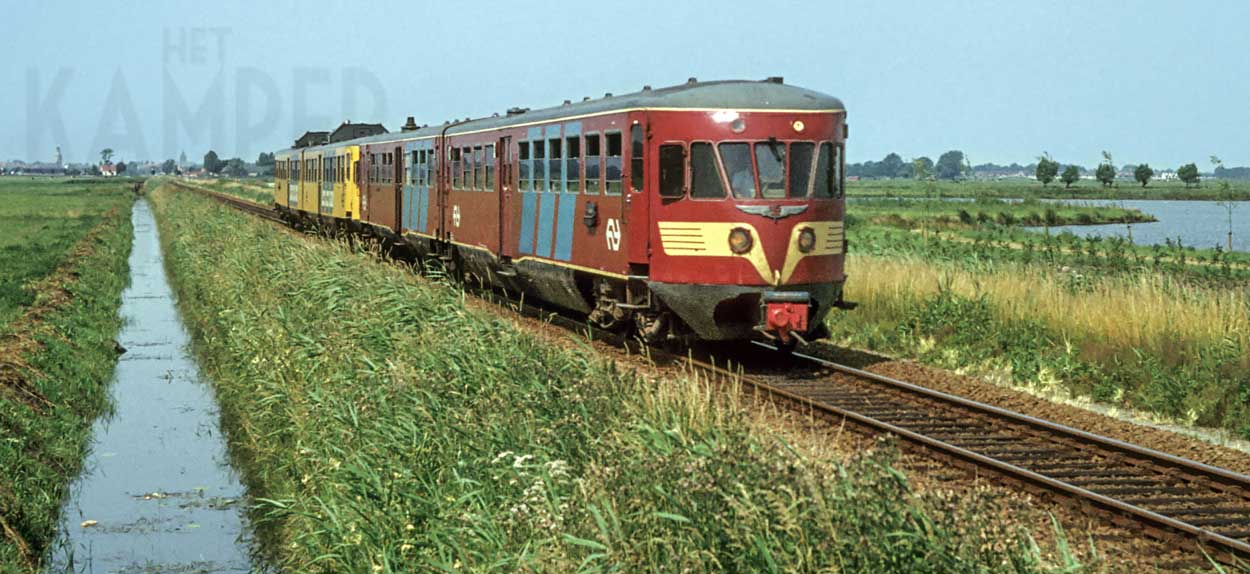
(653, 311)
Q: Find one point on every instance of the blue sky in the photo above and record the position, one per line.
(1157, 82)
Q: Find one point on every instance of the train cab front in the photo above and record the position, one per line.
(748, 235)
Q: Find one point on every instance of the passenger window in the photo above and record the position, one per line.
(479, 169)
(635, 157)
(736, 157)
(824, 172)
(572, 164)
(672, 171)
(523, 163)
(540, 166)
(455, 168)
(466, 160)
(555, 165)
(612, 167)
(770, 157)
(705, 181)
(490, 167)
(592, 163)
(431, 169)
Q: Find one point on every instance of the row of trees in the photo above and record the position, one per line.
(954, 164)
(1047, 169)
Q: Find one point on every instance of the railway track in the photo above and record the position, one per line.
(1177, 500)
(262, 211)
(1171, 498)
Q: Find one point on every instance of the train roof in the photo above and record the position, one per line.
(769, 94)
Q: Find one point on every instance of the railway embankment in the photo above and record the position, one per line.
(57, 352)
(383, 424)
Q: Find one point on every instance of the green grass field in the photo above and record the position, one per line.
(385, 426)
(1019, 188)
(55, 363)
(913, 212)
(42, 218)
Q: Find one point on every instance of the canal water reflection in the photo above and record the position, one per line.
(158, 493)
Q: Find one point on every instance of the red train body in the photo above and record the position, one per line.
(710, 210)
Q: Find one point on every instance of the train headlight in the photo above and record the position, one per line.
(740, 240)
(807, 240)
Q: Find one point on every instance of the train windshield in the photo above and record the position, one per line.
(774, 169)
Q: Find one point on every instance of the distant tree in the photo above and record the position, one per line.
(106, 155)
(1071, 175)
(1105, 174)
(121, 167)
(1188, 173)
(950, 164)
(890, 166)
(169, 166)
(92, 169)
(1046, 170)
(1143, 173)
(265, 159)
(921, 168)
(236, 168)
(212, 163)
(182, 158)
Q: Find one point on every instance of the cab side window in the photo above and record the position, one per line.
(672, 171)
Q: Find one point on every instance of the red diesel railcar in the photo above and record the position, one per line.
(709, 209)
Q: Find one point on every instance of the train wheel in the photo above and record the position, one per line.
(653, 328)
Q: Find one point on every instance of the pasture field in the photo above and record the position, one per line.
(42, 218)
(384, 426)
(913, 212)
(57, 350)
(1023, 188)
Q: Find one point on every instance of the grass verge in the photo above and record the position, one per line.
(386, 427)
(56, 359)
(1146, 341)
